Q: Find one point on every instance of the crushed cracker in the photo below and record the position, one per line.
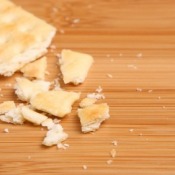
(139, 89)
(109, 162)
(114, 142)
(99, 89)
(96, 96)
(85, 167)
(6, 130)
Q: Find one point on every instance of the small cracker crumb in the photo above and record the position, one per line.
(53, 46)
(139, 55)
(163, 107)
(120, 54)
(76, 20)
(149, 91)
(114, 142)
(113, 153)
(56, 121)
(1, 95)
(109, 162)
(132, 66)
(96, 96)
(47, 73)
(85, 167)
(6, 130)
(131, 130)
(62, 146)
(99, 89)
(159, 97)
(29, 157)
(140, 134)
(8, 85)
(111, 60)
(109, 75)
(108, 55)
(139, 89)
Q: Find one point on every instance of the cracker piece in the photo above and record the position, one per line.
(87, 102)
(75, 66)
(58, 103)
(92, 116)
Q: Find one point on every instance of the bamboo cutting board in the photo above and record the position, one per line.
(134, 41)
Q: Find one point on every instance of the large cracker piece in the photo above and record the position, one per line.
(23, 37)
(92, 116)
(35, 69)
(58, 103)
(74, 66)
(26, 89)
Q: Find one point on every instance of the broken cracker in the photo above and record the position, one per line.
(92, 116)
(74, 66)
(58, 103)
(26, 89)
(23, 37)
(35, 69)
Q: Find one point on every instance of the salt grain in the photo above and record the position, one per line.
(113, 153)
(109, 75)
(6, 130)
(109, 162)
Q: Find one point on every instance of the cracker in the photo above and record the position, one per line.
(74, 66)
(35, 69)
(58, 103)
(92, 116)
(23, 37)
(26, 89)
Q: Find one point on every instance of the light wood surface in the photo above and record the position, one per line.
(143, 122)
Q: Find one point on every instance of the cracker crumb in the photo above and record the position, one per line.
(29, 157)
(6, 130)
(58, 55)
(109, 75)
(132, 66)
(96, 96)
(99, 89)
(139, 55)
(114, 142)
(139, 89)
(56, 121)
(159, 97)
(76, 20)
(120, 54)
(8, 85)
(111, 60)
(0, 89)
(163, 107)
(109, 162)
(131, 130)
(108, 55)
(85, 167)
(113, 153)
(54, 9)
(62, 146)
(1, 95)
(62, 31)
(140, 134)
(149, 91)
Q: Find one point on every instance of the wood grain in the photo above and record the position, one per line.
(123, 29)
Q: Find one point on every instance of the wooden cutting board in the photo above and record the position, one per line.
(134, 41)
